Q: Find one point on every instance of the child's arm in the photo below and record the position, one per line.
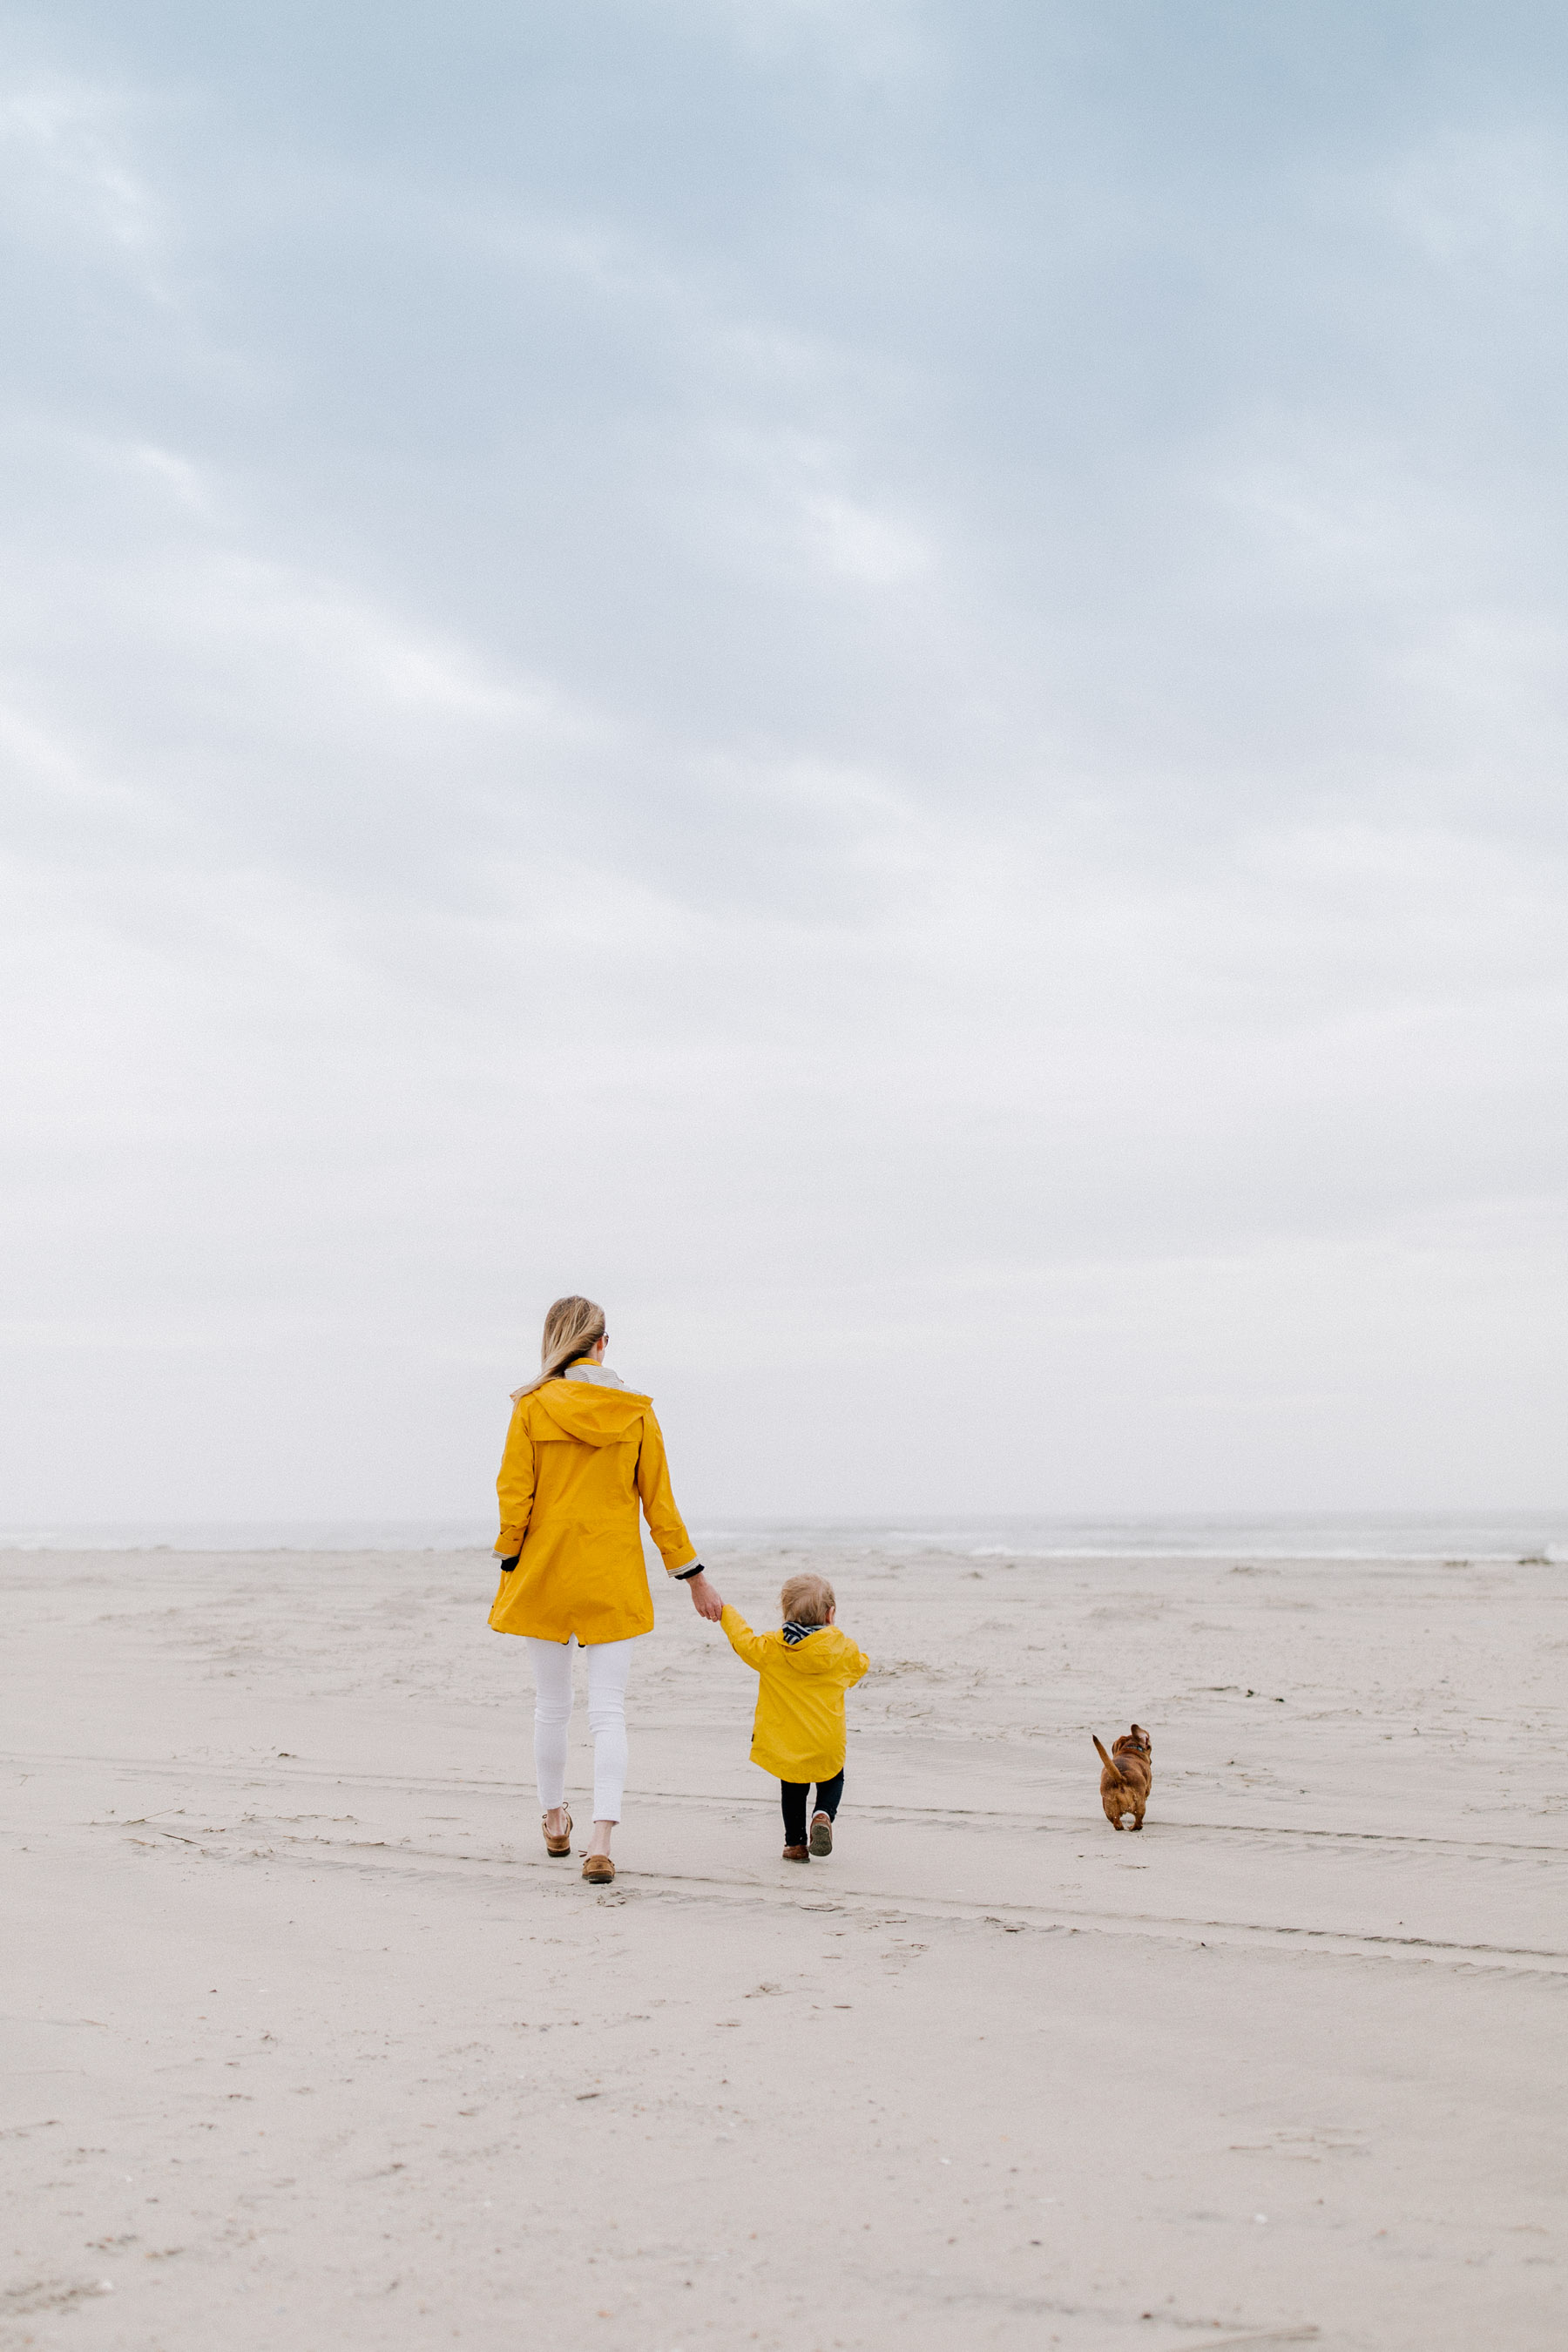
(743, 1641)
(856, 1664)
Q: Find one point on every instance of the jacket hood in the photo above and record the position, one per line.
(593, 1416)
(819, 1653)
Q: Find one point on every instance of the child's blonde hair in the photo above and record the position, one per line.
(806, 1599)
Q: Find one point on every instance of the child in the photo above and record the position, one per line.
(797, 1734)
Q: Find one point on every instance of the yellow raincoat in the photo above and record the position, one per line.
(581, 1453)
(798, 1731)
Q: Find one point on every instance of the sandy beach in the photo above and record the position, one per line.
(306, 2041)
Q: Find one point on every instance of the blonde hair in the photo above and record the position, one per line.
(572, 1327)
(806, 1599)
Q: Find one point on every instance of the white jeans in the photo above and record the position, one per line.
(609, 1663)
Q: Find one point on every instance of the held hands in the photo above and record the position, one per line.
(705, 1599)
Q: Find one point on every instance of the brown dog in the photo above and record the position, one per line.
(1128, 1780)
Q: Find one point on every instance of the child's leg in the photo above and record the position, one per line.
(828, 1793)
(793, 1795)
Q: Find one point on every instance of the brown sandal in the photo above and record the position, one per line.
(598, 1869)
(562, 1844)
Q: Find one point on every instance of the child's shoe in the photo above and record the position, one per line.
(821, 1834)
(797, 1854)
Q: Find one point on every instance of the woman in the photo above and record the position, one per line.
(582, 1451)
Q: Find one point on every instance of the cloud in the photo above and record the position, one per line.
(891, 690)
(70, 181)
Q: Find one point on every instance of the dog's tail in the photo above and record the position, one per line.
(1110, 1762)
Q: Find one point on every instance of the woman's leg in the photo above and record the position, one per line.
(552, 1715)
(609, 1663)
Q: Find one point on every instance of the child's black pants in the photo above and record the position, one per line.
(793, 1795)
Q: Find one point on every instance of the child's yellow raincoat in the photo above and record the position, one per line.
(580, 1456)
(798, 1731)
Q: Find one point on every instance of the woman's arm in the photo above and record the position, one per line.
(664, 1524)
(514, 1486)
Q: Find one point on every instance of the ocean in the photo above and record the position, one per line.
(1540, 1536)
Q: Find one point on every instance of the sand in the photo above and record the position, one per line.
(308, 2042)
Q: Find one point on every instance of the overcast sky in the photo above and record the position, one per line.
(884, 682)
